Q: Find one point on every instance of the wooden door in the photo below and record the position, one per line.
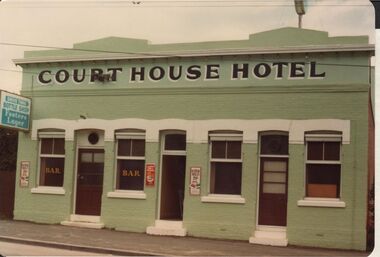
(273, 191)
(89, 181)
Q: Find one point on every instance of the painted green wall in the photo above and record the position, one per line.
(327, 227)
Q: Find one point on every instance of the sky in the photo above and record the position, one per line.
(57, 23)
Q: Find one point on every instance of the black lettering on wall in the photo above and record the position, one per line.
(172, 75)
(262, 70)
(212, 71)
(297, 70)
(280, 69)
(114, 73)
(135, 72)
(41, 77)
(194, 72)
(156, 73)
(76, 75)
(313, 71)
(236, 71)
(95, 73)
(62, 76)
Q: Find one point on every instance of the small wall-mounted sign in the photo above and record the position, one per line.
(195, 181)
(14, 111)
(24, 173)
(150, 174)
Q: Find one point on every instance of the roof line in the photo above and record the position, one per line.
(199, 53)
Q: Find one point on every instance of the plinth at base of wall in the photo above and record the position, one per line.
(267, 235)
(167, 228)
(84, 221)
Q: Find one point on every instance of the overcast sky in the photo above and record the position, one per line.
(62, 23)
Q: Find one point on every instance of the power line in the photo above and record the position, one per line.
(186, 4)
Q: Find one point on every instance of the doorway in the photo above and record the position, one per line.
(273, 188)
(273, 192)
(173, 169)
(89, 182)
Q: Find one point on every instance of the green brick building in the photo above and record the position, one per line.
(264, 140)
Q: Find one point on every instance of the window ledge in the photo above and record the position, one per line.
(216, 198)
(322, 202)
(131, 194)
(48, 190)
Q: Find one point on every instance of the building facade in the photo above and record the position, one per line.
(264, 139)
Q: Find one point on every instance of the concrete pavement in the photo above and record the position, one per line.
(108, 241)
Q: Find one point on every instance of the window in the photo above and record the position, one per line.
(225, 163)
(323, 165)
(52, 159)
(130, 161)
(274, 150)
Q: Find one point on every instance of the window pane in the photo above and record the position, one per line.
(274, 144)
(98, 157)
(270, 188)
(332, 151)
(218, 149)
(59, 146)
(86, 157)
(124, 147)
(226, 178)
(175, 142)
(315, 150)
(51, 171)
(234, 149)
(278, 166)
(275, 177)
(130, 174)
(323, 180)
(46, 145)
(138, 147)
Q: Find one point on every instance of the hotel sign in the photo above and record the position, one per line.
(14, 111)
(190, 72)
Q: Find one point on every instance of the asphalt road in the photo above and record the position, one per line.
(13, 249)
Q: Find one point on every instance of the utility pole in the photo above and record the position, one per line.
(300, 10)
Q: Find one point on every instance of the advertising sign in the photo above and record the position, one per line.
(195, 181)
(24, 173)
(14, 111)
(150, 174)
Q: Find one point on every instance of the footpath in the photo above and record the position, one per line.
(106, 241)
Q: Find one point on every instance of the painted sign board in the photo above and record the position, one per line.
(195, 181)
(24, 173)
(150, 174)
(15, 111)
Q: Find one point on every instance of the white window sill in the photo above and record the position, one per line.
(322, 202)
(48, 190)
(131, 194)
(216, 198)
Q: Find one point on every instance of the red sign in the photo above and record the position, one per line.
(150, 174)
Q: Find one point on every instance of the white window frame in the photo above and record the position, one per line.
(41, 189)
(224, 198)
(127, 193)
(322, 201)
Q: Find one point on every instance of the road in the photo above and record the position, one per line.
(11, 249)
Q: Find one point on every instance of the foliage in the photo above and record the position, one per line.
(8, 149)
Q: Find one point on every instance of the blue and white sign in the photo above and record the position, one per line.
(14, 111)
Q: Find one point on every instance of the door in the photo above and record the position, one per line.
(172, 187)
(89, 181)
(273, 191)
(172, 182)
